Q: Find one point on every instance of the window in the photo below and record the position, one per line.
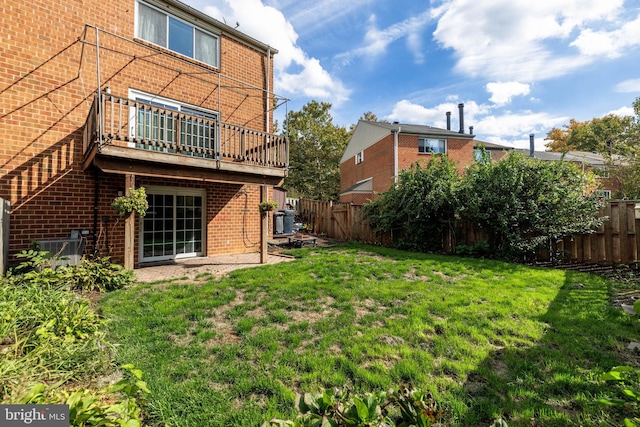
(481, 155)
(174, 226)
(603, 194)
(160, 28)
(359, 157)
(601, 173)
(433, 146)
(197, 132)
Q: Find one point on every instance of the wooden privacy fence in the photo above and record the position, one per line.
(617, 241)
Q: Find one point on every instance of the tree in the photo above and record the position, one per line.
(420, 207)
(315, 148)
(608, 135)
(525, 203)
(368, 116)
(616, 138)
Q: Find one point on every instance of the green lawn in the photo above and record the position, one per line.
(488, 339)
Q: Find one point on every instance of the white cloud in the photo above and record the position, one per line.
(628, 86)
(406, 111)
(502, 92)
(296, 74)
(611, 44)
(510, 129)
(622, 111)
(376, 41)
(532, 40)
(309, 16)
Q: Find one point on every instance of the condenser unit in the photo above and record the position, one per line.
(65, 251)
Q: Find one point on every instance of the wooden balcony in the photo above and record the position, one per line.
(127, 136)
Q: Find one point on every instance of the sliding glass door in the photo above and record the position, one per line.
(174, 224)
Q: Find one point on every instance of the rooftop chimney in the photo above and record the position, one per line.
(461, 112)
(448, 120)
(470, 130)
(532, 145)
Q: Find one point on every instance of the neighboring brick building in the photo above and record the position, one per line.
(377, 151)
(183, 109)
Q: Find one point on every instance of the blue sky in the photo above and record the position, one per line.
(519, 66)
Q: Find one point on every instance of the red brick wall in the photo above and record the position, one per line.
(48, 75)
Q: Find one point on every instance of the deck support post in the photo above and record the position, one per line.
(264, 226)
(129, 226)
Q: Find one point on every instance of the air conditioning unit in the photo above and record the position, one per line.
(66, 251)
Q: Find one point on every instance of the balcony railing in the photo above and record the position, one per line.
(144, 126)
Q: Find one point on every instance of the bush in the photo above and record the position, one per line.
(420, 208)
(51, 341)
(338, 408)
(478, 249)
(46, 333)
(116, 405)
(525, 204)
(93, 274)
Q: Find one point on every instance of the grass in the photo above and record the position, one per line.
(487, 339)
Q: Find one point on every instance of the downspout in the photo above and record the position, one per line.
(96, 190)
(395, 154)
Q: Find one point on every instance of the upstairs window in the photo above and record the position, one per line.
(359, 157)
(432, 146)
(162, 29)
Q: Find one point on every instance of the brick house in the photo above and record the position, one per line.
(99, 97)
(377, 151)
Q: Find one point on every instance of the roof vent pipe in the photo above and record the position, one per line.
(532, 145)
(470, 130)
(448, 120)
(461, 112)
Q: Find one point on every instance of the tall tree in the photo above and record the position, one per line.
(316, 146)
(611, 134)
(524, 203)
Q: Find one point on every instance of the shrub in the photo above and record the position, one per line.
(93, 274)
(525, 204)
(420, 208)
(475, 250)
(46, 333)
(338, 408)
(116, 405)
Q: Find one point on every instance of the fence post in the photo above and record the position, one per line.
(5, 207)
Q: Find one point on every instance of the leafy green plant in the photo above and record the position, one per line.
(403, 407)
(525, 204)
(32, 259)
(267, 206)
(629, 379)
(97, 408)
(135, 201)
(475, 250)
(92, 274)
(420, 208)
(97, 274)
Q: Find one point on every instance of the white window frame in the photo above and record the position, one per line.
(359, 157)
(195, 28)
(427, 148)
